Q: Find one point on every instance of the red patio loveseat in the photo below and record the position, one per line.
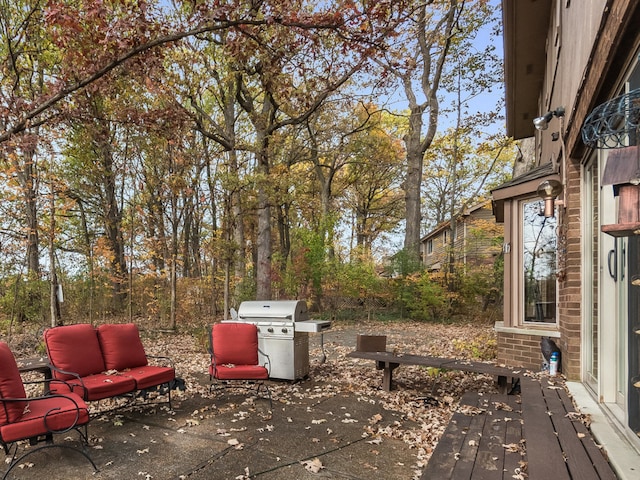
(103, 362)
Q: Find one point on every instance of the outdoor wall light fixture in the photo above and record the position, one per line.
(549, 191)
(542, 123)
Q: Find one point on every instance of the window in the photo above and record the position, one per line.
(429, 246)
(539, 242)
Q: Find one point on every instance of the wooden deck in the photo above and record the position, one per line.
(536, 435)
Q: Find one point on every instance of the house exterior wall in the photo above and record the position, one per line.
(573, 28)
(592, 55)
(475, 243)
(478, 243)
(435, 259)
(520, 349)
(570, 285)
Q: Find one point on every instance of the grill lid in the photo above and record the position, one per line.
(292, 310)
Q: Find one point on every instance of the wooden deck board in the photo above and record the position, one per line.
(576, 457)
(513, 438)
(544, 454)
(463, 468)
(597, 458)
(489, 463)
(509, 435)
(451, 443)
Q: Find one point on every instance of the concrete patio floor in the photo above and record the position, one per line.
(314, 431)
(220, 439)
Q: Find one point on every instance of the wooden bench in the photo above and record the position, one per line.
(537, 435)
(389, 361)
(35, 364)
(39, 365)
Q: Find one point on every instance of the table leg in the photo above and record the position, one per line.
(387, 375)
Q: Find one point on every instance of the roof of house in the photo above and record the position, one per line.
(521, 185)
(533, 174)
(525, 32)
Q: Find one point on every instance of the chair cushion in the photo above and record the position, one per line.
(239, 372)
(96, 387)
(74, 348)
(235, 343)
(121, 346)
(10, 386)
(61, 414)
(148, 376)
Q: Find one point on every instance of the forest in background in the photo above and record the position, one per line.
(167, 160)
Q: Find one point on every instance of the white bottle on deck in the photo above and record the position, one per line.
(553, 364)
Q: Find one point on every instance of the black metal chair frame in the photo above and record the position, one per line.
(131, 396)
(244, 384)
(46, 437)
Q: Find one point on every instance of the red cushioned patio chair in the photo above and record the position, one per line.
(234, 357)
(35, 419)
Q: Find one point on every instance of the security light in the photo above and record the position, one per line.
(542, 123)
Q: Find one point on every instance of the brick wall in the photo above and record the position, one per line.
(570, 287)
(519, 350)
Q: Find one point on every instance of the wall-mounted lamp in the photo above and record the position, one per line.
(542, 123)
(548, 191)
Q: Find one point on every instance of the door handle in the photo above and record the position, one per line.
(613, 270)
(623, 262)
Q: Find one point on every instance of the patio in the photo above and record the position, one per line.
(339, 423)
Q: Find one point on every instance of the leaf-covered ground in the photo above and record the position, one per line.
(425, 398)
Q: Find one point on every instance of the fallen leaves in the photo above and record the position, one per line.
(235, 443)
(375, 419)
(313, 466)
(411, 420)
(503, 406)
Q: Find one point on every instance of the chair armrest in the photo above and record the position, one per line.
(47, 382)
(65, 372)
(266, 364)
(51, 411)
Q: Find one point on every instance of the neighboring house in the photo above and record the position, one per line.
(475, 235)
(565, 277)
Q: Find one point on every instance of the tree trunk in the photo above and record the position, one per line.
(263, 240)
(263, 267)
(430, 78)
(54, 305)
(412, 183)
(27, 176)
(112, 217)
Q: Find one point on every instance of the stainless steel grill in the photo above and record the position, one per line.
(283, 334)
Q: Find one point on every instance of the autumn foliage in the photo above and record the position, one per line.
(168, 160)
